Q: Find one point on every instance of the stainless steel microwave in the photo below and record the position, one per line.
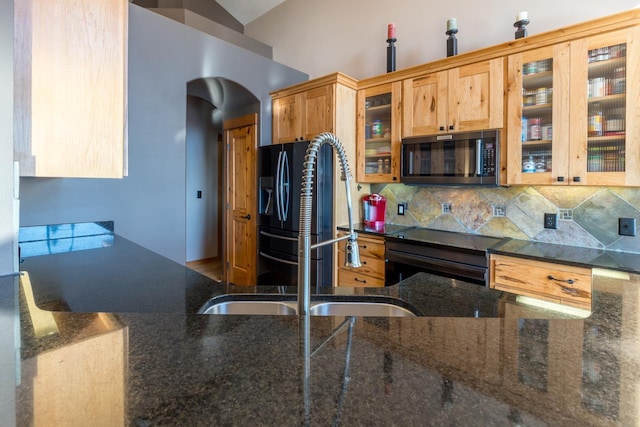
(469, 158)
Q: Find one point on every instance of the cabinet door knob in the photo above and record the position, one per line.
(576, 179)
(247, 216)
(561, 179)
(451, 127)
(441, 127)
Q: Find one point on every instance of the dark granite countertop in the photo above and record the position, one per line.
(477, 357)
(571, 255)
(384, 230)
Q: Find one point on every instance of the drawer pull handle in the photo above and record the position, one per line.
(359, 280)
(569, 281)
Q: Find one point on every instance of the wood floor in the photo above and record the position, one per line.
(210, 267)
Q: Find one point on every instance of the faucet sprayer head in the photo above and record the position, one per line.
(352, 252)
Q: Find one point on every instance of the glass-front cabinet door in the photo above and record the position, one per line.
(378, 134)
(538, 130)
(605, 120)
(573, 119)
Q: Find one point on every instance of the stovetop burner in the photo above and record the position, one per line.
(448, 238)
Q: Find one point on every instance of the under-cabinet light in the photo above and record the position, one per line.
(548, 305)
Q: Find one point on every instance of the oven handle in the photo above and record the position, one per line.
(478, 272)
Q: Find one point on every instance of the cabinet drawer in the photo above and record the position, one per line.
(370, 266)
(347, 277)
(554, 282)
(371, 247)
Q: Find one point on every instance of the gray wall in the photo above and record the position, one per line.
(148, 206)
(8, 222)
(203, 165)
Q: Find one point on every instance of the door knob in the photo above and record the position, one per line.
(247, 216)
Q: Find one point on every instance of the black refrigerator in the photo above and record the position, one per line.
(280, 169)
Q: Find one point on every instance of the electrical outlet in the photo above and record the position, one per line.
(627, 226)
(550, 220)
(402, 207)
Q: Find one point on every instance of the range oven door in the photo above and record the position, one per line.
(403, 259)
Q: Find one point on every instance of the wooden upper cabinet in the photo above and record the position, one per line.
(573, 117)
(538, 120)
(70, 88)
(319, 109)
(604, 130)
(302, 116)
(378, 133)
(465, 98)
(288, 114)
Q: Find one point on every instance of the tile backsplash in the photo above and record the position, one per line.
(587, 216)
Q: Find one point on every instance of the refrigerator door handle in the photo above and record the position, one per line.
(278, 259)
(278, 190)
(275, 236)
(285, 186)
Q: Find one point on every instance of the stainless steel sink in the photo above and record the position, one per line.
(325, 305)
(267, 308)
(371, 309)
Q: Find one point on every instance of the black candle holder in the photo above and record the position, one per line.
(521, 28)
(391, 55)
(452, 42)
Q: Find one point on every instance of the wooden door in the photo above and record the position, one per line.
(241, 215)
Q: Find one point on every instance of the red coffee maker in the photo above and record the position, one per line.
(373, 207)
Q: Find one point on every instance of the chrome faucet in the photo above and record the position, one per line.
(352, 253)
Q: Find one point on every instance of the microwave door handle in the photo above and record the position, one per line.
(278, 188)
(478, 157)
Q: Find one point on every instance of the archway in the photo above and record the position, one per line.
(210, 101)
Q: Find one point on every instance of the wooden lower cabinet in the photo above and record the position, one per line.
(563, 284)
(371, 274)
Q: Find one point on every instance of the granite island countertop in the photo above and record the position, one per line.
(478, 357)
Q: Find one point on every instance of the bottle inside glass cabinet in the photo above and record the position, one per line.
(606, 94)
(377, 144)
(537, 109)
